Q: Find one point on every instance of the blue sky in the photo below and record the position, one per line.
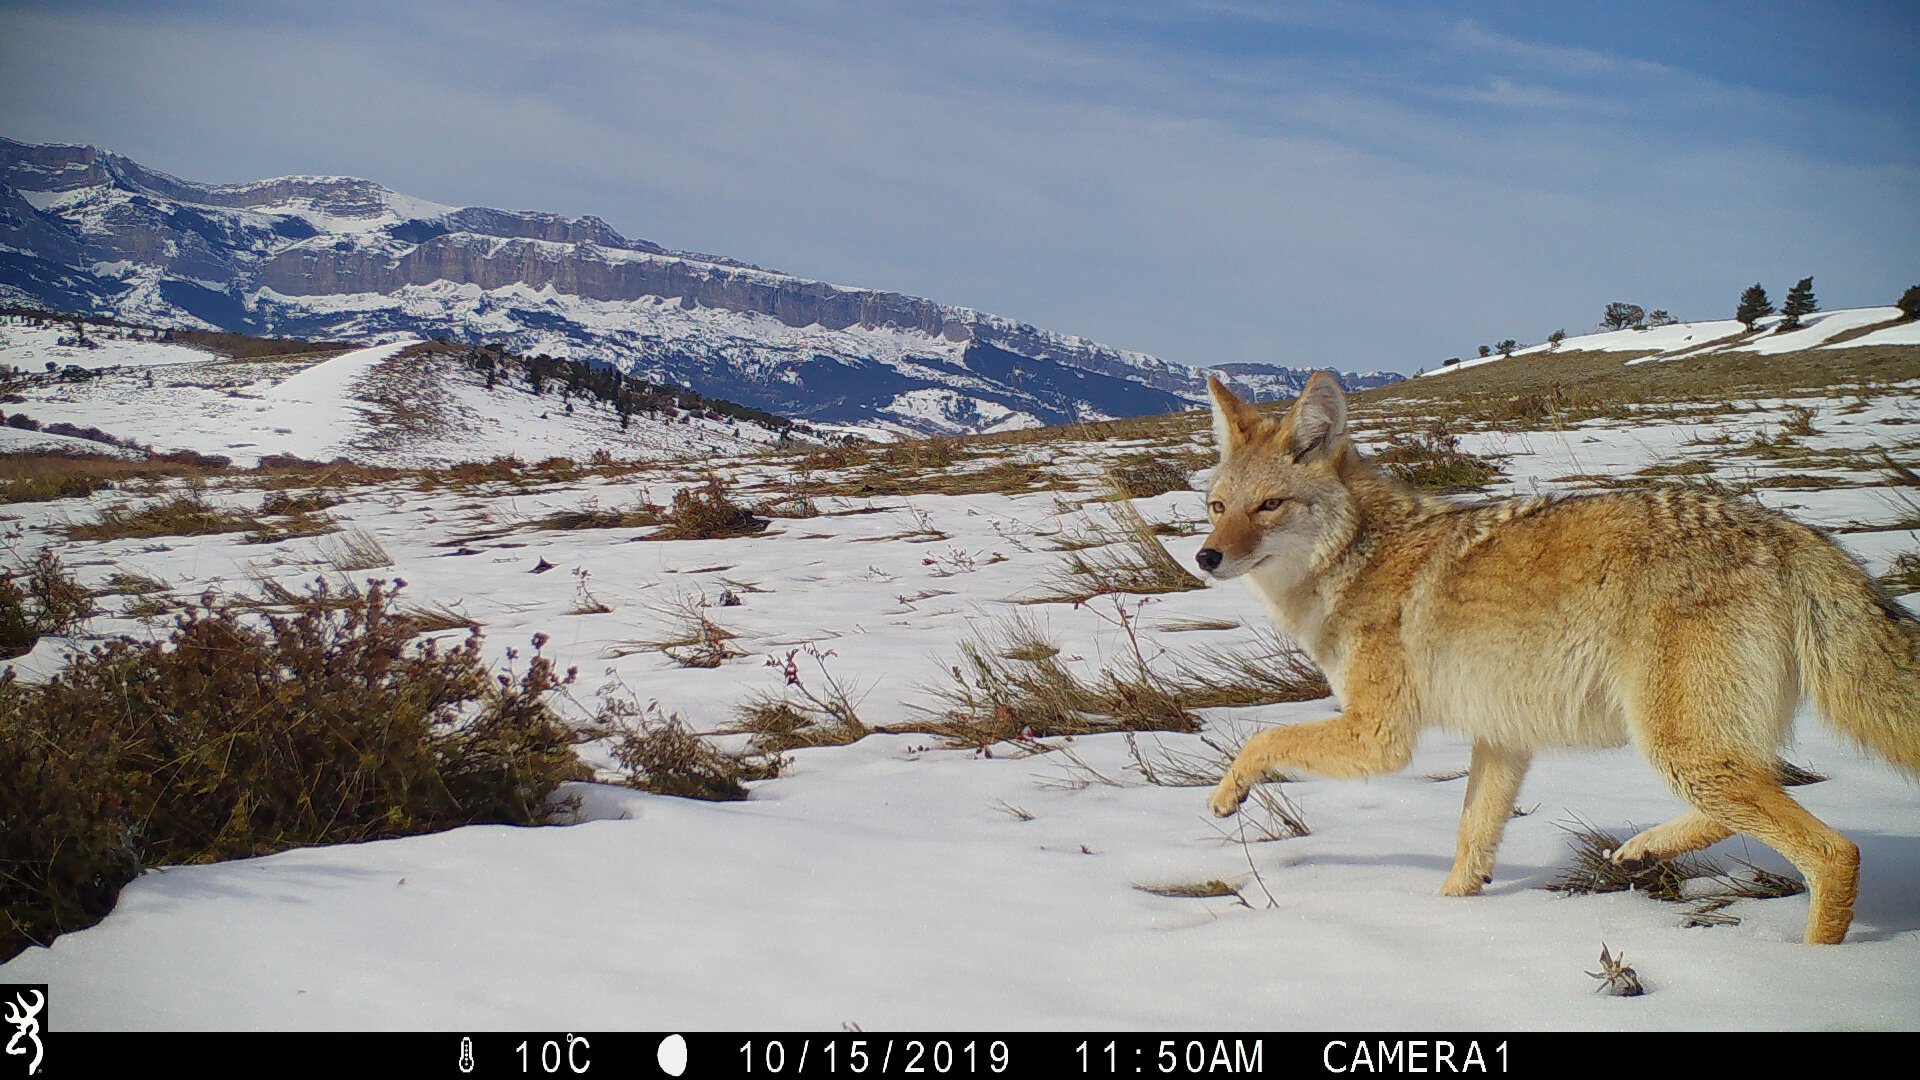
(1357, 185)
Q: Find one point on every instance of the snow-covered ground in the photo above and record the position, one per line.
(888, 883)
(178, 397)
(1679, 340)
(1817, 329)
(1906, 333)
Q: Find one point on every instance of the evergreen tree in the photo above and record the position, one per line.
(1910, 302)
(1506, 347)
(1486, 350)
(1799, 302)
(1620, 315)
(1554, 339)
(1753, 304)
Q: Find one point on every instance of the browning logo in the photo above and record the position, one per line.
(26, 1010)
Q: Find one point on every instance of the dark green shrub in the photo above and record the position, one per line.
(39, 598)
(245, 734)
(1909, 302)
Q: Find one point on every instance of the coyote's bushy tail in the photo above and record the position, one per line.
(1860, 657)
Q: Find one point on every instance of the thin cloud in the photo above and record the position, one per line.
(1366, 200)
(1504, 92)
(1469, 36)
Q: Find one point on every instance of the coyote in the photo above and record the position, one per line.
(1688, 624)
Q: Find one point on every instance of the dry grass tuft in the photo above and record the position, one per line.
(1903, 576)
(1693, 879)
(1594, 871)
(41, 477)
(1694, 467)
(708, 513)
(1268, 813)
(291, 526)
(1121, 554)
(1193, 890)
(186, 514)
(132, 583)
(921, 455)
(927, 467)
(659, 753)
(1432, 460)
(1267, 671)
(1017, 813)
(1011, 684)
(438, 617)
(800, 715)
(590, 515)
(1190, 624)
(1800, 421)
(1899, 475)
(353, 550)
(307, 502)
(695, 641)
(1005, 476)
(585, 602)
(1147, 475)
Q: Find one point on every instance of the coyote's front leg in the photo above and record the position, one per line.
(1492, 782)
(1349, 745)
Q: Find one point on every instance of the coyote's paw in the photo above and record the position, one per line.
(1459, 884)
(1226, 800)
(1633, 856)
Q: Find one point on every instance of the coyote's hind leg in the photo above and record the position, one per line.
(1690, 831)
(1747, 798)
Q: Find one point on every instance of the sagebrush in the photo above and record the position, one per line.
(245, 733)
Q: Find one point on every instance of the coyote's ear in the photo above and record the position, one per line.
(1318, 418)
(1234, 421)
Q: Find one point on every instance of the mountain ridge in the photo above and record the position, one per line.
(345, 257)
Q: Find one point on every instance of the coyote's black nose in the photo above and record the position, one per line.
(1209, 559)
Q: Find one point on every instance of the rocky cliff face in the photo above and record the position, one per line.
(340, 256)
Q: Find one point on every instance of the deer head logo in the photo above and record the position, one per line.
(26, 1018)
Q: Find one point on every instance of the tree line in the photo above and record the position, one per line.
(1753, 305)
(628, 395)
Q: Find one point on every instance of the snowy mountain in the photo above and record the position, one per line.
(338, 257)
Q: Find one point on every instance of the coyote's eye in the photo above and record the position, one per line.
(1217, 506)
(1271, 504)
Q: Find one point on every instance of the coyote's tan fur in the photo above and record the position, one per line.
(1687, 624)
